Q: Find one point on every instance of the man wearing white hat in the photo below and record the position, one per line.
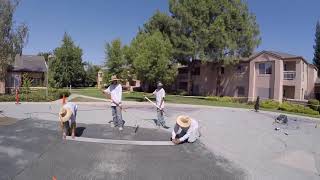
(115, 92)
(68, 113)
(160, 95)
(185, 130)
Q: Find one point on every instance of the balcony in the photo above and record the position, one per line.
(289, 75)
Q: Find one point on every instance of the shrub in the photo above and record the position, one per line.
(314, 104)
(286, 106)
(221, 99)
(182, 92)
(36, 96)
(269, 104)
(62, 92)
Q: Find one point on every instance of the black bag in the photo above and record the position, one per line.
(282, 119)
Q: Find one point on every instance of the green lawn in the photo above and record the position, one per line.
(139, 96)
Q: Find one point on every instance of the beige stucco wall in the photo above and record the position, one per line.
(2, 87)
(231, 80)
(312, 77)
(206, 82)
(298, 85)
(257, 80)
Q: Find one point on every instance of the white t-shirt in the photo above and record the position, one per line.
(74, 108)
(116, 93)
(193, 127)
(160, 94)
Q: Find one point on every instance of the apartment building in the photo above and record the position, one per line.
(268, 74)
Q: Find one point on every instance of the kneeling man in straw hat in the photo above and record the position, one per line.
(185, 130)
(115, 93)
(68, 113)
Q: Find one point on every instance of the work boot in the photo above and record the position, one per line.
(165, 126)
(112, 124)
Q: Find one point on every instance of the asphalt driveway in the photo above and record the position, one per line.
(33, 149)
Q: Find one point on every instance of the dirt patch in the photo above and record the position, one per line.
(5, 121)
(82, 99)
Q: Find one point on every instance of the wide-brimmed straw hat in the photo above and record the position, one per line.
(184, 121)
(65, 114)
(114, 78)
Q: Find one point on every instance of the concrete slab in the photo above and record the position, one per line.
(33, 149)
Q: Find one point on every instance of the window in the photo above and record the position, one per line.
(183, 71)
(196, 71)
(285, 67)
(132, 83)
(265, 68)
(222, 70)
(264, 92)
(36, 82)
(240, 91)
(240, 69)
(183, 85)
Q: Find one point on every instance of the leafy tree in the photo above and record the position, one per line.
(208, 30)
(171, 27)
(151, 58)
(26, 83)
(217, 30)
(12, 40)
(115, 59)
(67, 67)
(45, 55)
(316, 58)
(91, 74)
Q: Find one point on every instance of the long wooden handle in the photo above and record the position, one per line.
(151, 102)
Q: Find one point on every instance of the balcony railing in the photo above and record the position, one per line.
(289, 75)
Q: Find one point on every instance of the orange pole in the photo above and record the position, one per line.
(17, 97)
(63, 99)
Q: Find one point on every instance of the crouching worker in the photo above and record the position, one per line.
(185, 130)
(68, 113)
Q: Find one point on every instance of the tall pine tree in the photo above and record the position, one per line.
(316, 58)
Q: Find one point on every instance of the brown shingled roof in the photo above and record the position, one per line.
(29, 63)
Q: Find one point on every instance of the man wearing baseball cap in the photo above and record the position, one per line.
(185, 130)
(68, 113)
(160, 95)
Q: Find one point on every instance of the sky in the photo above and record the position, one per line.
(285, 25)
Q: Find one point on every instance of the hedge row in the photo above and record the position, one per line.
(227, 99)
(289, 107)
(311, 109)
(36, 96)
